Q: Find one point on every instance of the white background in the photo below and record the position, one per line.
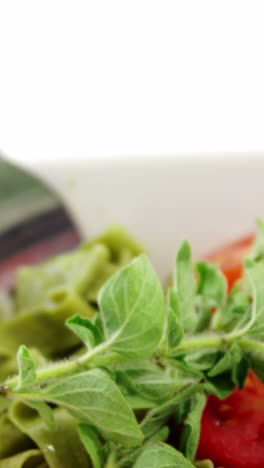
(89, 78)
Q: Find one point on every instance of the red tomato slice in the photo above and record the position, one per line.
(232, 430)
(230, 259)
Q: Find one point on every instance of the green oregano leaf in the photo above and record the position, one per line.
(175, 332)
(221, 385)
(185, 286)
(211, 294)
(149, 381)
(158, 416)
(212, 283)
(95, 399)
(236, 310)
(229, 360)
(93, 444)
(256, 362)
(26, 367)
(160, 455)
(203, 464)
(255, 324)
(133, 310)
(240, 372)
(202, 360)
(192, 424)
(85, 329)
(257, 252)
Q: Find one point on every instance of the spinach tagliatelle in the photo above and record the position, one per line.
(45, 297)
(100, 368)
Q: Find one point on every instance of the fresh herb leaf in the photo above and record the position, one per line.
(204, 308)
(191, 431)
(228, 361)
(212, 283)
(174, 326)
(158, 416)
(256, 362)
(221, 386)
(230, 370)
(240, 372)
(187, 369)
(144, 386)
(137, 402)
(127, 457)
(26, 367)
(85, 329)
(93, 444)
(202, 360)
(257, 252)
(211, 292)
(160, 455)
(156, 386)
(255, 325)
(161, 435)
(149, 382)
(132, 309)
(203, 464)
(131, 391)
(94, 398)
(185, 286)
(237, 309)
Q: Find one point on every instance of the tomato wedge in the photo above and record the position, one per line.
(232, 430)
(230, 259)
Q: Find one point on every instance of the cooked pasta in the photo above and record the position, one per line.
(45, 297)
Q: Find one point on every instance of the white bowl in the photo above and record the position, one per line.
(209, 200)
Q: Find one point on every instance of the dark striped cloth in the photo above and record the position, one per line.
(33, 223)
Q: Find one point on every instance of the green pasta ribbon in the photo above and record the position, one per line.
(27, 459)
(60, 444)
(45, 297)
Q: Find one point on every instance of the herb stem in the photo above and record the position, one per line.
(111, 461)
(96, 356)
(64, 369)
(57, 370)
(217, 342)
(250, 345)
(201, 342)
